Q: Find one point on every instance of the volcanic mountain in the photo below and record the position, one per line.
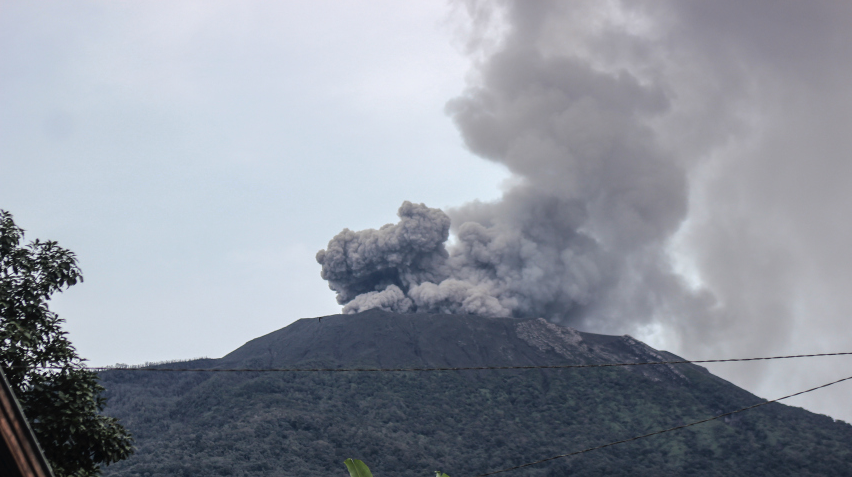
(409, 423)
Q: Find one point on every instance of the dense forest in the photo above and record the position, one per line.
(460, 422)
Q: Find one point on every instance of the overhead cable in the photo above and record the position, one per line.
(460, 368)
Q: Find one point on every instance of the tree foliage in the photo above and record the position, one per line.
(464, 423)
(63, 403)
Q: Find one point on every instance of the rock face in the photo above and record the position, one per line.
(378, 338)
(587, 348)
(463, 422)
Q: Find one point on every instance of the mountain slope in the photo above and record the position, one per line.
(462, 422)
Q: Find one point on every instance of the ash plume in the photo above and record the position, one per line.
(678, 165)
(597, 199)
(370, 268)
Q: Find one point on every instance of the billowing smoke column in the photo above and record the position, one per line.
(491, 271)
(646, 137)
(376, 268)
(584, 227)
(676, 164)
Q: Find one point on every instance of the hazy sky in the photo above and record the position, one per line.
(196, 155)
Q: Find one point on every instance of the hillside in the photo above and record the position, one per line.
(462, 422)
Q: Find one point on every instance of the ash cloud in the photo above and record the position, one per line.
(596, 201)
(492, 269)
(373, 266)
(679, 165)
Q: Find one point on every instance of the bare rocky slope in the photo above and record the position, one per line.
(462, 422)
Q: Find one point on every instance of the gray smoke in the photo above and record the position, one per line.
(499, 269)
(370, 268)
(679, 166)
(586, 225)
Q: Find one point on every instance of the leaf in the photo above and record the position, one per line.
(438, 473)
(64, 404)
(357, 468)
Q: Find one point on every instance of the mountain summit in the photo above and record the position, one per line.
(382, 339)
(463, 422)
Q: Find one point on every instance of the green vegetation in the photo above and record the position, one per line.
(63, 404)
(359, 469)
(261, 424)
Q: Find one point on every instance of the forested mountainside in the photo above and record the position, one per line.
(461, 422)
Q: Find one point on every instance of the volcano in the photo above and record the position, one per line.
(410, 423)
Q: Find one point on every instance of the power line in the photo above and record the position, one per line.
(482, 368)
(462, 368)
(662, 431)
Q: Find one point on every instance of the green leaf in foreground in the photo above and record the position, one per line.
(357, 468)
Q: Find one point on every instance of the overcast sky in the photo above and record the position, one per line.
(196, 155)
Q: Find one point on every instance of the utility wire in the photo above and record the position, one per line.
(662, 431)
(462, 368)
(482, 368)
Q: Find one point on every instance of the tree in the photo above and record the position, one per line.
(61, 399)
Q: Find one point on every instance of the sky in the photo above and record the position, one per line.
(196, 156)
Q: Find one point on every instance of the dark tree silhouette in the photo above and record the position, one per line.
(61, 399)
